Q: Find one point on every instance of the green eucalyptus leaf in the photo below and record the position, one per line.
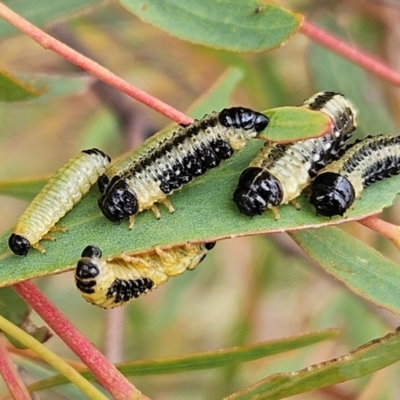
(217, 97)
(24, 189)
(360, 267)
(247, 25)
(206, 360)
(204, 211)
(372, 356)
(58, 86)
(13, 89)
(40, 12)
(289, 124)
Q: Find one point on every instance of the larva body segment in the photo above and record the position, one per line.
(173, 158)
(117, 281)
(280, 172)
(60, 194)
(335, 188)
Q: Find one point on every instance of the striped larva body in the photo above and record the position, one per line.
(60, 194)
(280, 172)
(117, 281)
(173, 158)
(335, 188)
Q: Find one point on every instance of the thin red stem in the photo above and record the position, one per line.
(365, 61)
(105, 372)
(10, 376)
(386, 229)
(48, 42)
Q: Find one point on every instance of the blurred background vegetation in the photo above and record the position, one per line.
(248, 289)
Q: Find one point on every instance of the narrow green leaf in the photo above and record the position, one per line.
(361, 268)
(370, 357)
(288, 124)
(204, 211)
(40, 12)
(24, 189)
(329, 70)
(15, 310)
(207, 360)
(40, 88)
(13, 89)
(217, 97)
(247, 25)
(58, 86)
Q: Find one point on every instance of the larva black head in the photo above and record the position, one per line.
(119, 201)
(256, 191)
(97, 152)
(19, 245)
(331, 194)
(243, 118)
(91, 252)
(103, 182)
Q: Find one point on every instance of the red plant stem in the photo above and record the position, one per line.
(390, 231)
(365, 61)
(48, 42)
(105, 372)
(10, 376)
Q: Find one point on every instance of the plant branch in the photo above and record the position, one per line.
(104, 371)
(93, 68)
(390, 231)
(350, 53)
(10, 376)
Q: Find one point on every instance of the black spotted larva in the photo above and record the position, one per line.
(173, 158)
(120, 280)
(64, 190)
(336, 186)
(280, 172)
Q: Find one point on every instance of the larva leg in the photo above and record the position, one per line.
(49, 236)
(296, 204)
(131, 222)
(275, 211)
(155, 211)
(164, 255)
(37, 246)
(127, 258)
(169, 206)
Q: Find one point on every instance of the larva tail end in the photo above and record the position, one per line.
(97, 152)
(123, 291)
(19, 245)
(331, 194)
(257, 190)
(243, 118)
(209, 245)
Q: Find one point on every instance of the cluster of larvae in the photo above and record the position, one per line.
(335, 171)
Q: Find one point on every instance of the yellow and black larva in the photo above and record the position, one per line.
(60, 194)
(280, 172)
(120, 280)
(173, 158)
(336, 186)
